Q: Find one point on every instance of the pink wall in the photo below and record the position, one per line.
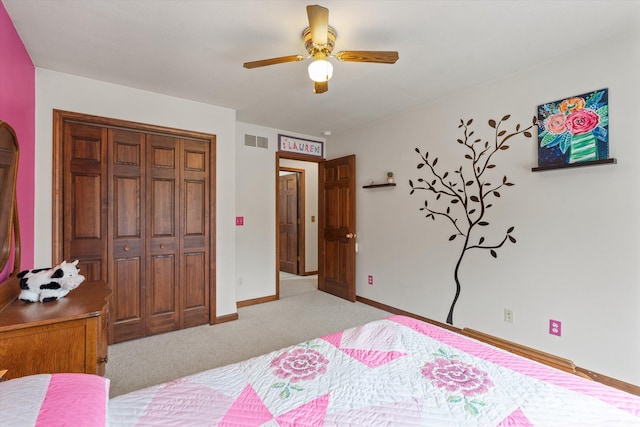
(17, 107)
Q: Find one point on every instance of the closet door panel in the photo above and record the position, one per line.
(127, 237)
(84, 189)
(164, 288)
(195, 233)
(136, 207)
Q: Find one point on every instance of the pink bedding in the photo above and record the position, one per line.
(54, 400)
(397, 372)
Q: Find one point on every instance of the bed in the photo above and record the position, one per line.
(398, 372)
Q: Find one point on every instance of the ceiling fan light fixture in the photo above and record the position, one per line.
(320, 70)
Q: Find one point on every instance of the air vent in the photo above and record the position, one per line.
(256, 141)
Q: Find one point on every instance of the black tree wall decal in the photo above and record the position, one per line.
(463, 198)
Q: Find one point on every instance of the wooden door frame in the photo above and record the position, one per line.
(301, 215)
(57, 237)
(287, 156)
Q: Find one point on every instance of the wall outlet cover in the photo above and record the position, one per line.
(555, 327)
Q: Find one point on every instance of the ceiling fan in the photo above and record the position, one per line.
(319, 40)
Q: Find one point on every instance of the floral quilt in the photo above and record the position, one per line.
(393, 372)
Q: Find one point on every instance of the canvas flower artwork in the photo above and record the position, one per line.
(574, 130)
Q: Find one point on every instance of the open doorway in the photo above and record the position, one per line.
(291, 194)
(296, 217)
(334, 251)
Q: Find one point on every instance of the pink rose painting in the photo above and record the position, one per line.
(299, 364)
(574, 130)
(462, 380)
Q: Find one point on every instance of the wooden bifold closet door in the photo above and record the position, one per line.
(138, 214)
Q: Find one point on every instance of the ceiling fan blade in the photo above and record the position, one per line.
(378, 56)
(318, 23)
(273, 61)
(320, 87)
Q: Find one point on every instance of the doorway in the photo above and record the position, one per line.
(296, 217)
(291, 194)
(335, 245)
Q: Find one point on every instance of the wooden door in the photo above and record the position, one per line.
(195, 233)
(163, 219)
(288, 226)
(337, 227)
(84, 214)
(136, 206)
(127, 237)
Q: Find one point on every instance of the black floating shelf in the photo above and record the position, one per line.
(573, 165)
(386, 184)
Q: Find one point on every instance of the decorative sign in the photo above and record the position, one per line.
(305, 147)
(574, 130)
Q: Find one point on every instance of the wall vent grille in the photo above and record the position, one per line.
(256, 141)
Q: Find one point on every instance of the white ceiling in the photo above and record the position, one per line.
(195, 49)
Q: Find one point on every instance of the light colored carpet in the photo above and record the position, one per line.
(302, 313)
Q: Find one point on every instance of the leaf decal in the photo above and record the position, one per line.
(494, 254)
(492, 123)
(483, 223)
(453, 237)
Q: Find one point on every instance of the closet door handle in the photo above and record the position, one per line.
(162, 246)
(351, 236)
(127, 248)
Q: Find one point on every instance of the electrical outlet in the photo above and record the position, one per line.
(508, 315)
(370, 280)
(555, 327)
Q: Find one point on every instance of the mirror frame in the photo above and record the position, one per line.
(9, 154)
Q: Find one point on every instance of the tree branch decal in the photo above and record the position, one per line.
(463, 197)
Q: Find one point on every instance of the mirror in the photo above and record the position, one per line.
(8, 210)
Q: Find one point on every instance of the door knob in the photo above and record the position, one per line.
(127, 248)
(351, 235)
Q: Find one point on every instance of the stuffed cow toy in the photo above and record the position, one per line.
(49, 284)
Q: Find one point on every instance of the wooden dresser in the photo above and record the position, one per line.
(67, 335)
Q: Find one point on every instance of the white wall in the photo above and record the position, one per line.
(578, 231)
(310, 210)
(256, 202)
(66, 92)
